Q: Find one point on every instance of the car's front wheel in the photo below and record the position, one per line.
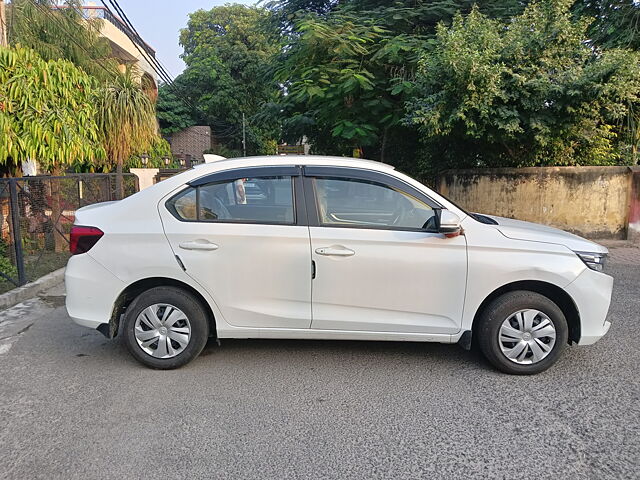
(522, 332)
(165, 327)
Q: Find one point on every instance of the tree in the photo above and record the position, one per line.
(349, 68)
(228, 51)
(47, 112)
(348, 78)
(285, 13)
(531, 94)
(617, 25)
(62, 33)
(409, 16)
(126, 120)
(173, 113)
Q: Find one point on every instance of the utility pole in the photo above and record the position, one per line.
(244, 137)
(3, 25)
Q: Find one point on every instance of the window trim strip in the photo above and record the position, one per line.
(370, 175)
(236, 173)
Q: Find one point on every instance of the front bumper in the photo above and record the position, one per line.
(91, 291)
(591, 292)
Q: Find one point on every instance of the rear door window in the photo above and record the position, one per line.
(266, 199)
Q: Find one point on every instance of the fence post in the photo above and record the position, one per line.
(17, 234)
(79, 192)
(107, 177)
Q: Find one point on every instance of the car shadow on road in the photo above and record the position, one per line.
(344, 350)
(90, 345)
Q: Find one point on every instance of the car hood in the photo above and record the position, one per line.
(534, 232)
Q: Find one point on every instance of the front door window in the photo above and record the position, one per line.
(362, 203)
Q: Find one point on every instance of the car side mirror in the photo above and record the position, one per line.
(449, 224)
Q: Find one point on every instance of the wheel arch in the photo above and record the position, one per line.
(136, 288)
(556, 294)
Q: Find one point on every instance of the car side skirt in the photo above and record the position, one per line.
(316, 334)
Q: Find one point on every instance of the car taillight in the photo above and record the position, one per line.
(83, 238)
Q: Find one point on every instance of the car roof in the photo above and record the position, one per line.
(268, 160)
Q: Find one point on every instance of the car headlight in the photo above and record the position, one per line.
(595, 261)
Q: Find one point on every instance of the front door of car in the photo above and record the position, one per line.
(239, 235)
(380, 264)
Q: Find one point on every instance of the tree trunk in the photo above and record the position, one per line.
(3, 25)
(385, 135)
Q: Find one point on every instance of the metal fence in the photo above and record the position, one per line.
(36, 215)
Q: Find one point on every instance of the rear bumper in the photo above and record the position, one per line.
(91, 291)
(591, 292)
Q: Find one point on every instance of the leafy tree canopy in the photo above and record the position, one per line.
(126, 120)
(346, 77)
(173, 113)
(416, 16)
(47, 112)
(121, 117)
(349, 70)
(531, 94)
(418, 83)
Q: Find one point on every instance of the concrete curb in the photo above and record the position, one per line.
(30, 290)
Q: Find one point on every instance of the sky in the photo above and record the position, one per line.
(159, 22)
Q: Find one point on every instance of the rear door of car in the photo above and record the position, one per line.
(242, 234)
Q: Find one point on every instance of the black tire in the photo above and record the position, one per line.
(492, 317)
(184, 301)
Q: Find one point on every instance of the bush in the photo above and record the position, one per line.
(534, 93)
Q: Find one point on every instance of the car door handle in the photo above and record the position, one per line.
(199, 245)
(337, 251)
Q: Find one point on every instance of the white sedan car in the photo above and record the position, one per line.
(327, 248)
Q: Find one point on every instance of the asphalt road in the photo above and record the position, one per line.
(74, 405)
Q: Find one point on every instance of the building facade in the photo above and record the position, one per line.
(126, 46)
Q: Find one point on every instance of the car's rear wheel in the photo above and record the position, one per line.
(522, 332)
(165, 327)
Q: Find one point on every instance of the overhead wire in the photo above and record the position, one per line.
(145, 55)
(132, 34)
(167, 80)
(128, 22)
(230, 129)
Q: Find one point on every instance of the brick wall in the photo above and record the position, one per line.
(191, 141)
